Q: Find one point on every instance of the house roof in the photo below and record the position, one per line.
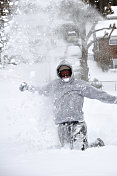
(105, 24)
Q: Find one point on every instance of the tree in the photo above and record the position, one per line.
(99, 4)
(7, 8)
(114, 2)
(85, 18)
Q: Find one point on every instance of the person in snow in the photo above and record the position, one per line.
(67, 95)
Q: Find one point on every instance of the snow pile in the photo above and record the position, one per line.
(97, 162)
(22, 114)
(28, 135)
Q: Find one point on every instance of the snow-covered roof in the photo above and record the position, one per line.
(114, 15)
(105, 24)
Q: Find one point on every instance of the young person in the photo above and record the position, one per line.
(67, 95)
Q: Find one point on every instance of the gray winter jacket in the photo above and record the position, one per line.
(68, 98)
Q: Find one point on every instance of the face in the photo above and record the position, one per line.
(65, 74)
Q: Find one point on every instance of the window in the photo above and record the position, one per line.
(113, 41)
(72, 36)
(114, 63)
(72, 33)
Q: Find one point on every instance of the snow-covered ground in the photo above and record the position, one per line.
(29, 143)
(28, 136)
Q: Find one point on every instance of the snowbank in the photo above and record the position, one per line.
(28, 136)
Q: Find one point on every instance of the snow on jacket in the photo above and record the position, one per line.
(68, 98)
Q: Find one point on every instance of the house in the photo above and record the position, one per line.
(105, 47)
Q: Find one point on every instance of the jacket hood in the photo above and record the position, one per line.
(66, 64)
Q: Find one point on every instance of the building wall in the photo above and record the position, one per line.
(107, 49)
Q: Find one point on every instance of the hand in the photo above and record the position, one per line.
(23, 86)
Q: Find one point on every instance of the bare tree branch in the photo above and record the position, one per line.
(93, 41)
(91, 31)
(113, 28)
(101, 29)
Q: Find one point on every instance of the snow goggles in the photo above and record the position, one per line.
(65, 73)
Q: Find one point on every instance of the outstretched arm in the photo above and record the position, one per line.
(93, 93)
(42, 91)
